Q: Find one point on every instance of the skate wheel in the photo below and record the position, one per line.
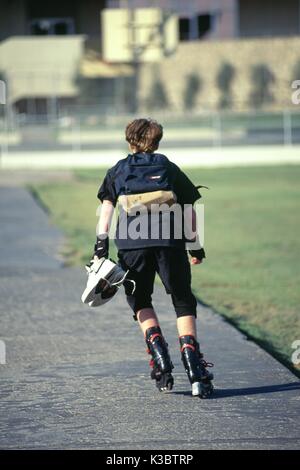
(166, 383)
(196, 389)
(202, 390)
(170, 384)
(206, 390)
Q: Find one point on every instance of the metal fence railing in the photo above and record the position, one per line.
(86, 128)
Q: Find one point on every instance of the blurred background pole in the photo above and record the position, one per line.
(218, 129)
(4, 137)
(76, 133)
(53, 98)
(287, 127)
(135, 57)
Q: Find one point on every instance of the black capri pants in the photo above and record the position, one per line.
(174, 270)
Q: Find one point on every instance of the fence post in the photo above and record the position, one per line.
(3, 142)
(218, 129)
(2, 352)
(287, 127)
(76, 134)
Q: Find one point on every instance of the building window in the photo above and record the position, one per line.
(52, 26)
(195, 27)
(204, 25)
(184, 29)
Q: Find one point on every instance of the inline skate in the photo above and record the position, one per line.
(160, 362)
(195, 366)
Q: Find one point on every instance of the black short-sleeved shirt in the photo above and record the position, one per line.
(107, 190)
(185, 191)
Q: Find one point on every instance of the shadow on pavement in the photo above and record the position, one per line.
(234, 392)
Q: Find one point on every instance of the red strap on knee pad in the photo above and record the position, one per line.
(152, 337)
(187, 346)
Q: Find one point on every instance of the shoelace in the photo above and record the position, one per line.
(204, 362)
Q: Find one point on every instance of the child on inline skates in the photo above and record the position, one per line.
(140, 183)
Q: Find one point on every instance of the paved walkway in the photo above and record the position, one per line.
(78, 378)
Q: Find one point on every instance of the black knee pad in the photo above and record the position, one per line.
(185, 305)
(138, 303)
(186, 313)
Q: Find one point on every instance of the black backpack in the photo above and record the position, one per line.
(143, 173)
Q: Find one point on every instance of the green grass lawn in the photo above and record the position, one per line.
(252, 271)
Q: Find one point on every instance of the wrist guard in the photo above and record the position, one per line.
(196, 251)
(101, 247)
(199, 254)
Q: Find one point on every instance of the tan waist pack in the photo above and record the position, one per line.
(132, 203)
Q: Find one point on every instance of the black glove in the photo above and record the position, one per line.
(101, 246)
(197, 251)
(199, 254)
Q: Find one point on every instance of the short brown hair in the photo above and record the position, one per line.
(144, 134)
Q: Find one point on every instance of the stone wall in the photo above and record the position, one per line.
(274, 58)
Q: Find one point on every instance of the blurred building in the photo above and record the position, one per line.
(219, 19)
(198, 19)
(51, 55)
(55, 18)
